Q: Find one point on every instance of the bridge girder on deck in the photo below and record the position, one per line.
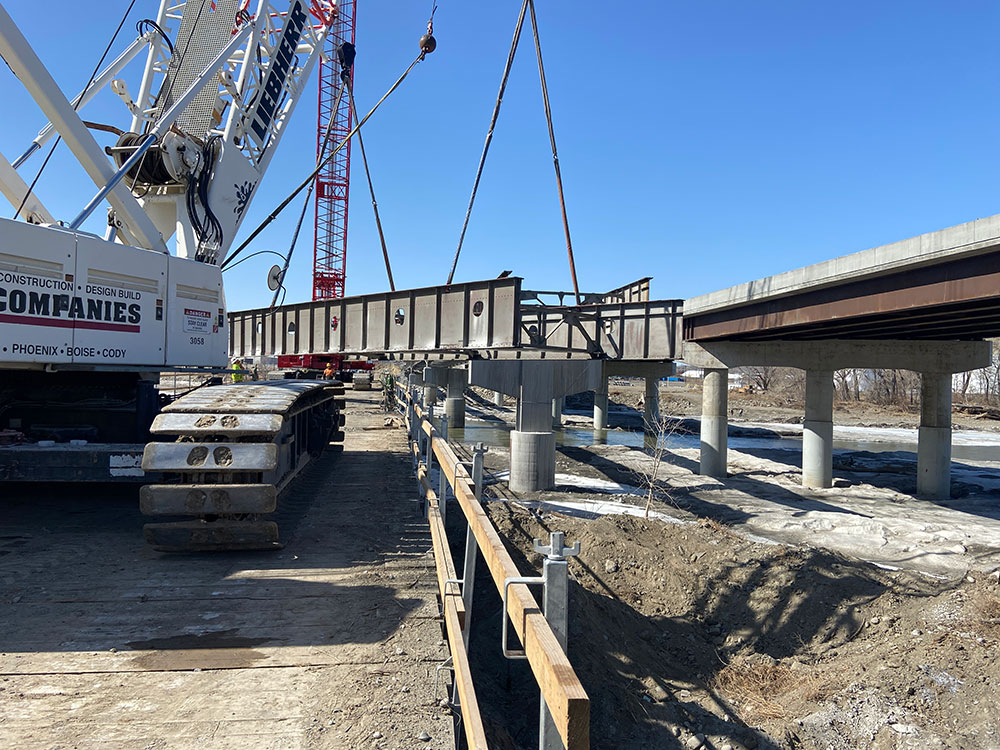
(923, 304)
(942, 285)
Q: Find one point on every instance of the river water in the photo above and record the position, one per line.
(966, 445)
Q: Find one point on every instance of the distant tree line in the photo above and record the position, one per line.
(884, 387)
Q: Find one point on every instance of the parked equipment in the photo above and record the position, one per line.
(88, 323)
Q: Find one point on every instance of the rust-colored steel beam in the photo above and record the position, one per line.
(948, 292)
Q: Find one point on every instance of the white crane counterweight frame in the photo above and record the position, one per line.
(95, 319)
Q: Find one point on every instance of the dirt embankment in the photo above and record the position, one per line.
(687, 635)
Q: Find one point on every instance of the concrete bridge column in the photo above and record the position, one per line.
(532, 443)
(934, 437)
(537, 384)
(430, 387)
(817, 430)
(601, 404)
(454, 403)
(651, 404)
(714, 422)
(558, 404)
(497, 398)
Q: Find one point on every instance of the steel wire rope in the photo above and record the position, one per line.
(555, 154)
(371, 190)
(489, 136)
(76, 106)
(255, 254)
(312, 175)
(309, 192)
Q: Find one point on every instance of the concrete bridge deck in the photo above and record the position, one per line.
(924, 304)
(940, 285)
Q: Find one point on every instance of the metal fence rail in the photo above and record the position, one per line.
(567, 704)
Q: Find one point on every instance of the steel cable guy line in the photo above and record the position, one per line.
(489, 135)
(76, 106)
(309, 192)
(281, 206)
(555, 155)
(371, 189)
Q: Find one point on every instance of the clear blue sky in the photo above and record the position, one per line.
(701, 143)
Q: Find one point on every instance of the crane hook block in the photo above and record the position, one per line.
(428, 44)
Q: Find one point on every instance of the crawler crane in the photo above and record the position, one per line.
(88, 323)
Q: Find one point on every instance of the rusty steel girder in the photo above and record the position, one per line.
(959, 299)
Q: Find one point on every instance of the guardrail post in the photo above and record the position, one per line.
(442, 479)
(479, 451)
(429, 443)
(471, 546)
(556, 606)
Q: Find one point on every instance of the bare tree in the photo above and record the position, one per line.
(842, 383)
(761, 378)
(658, 433)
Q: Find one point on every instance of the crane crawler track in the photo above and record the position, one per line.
(234, 449)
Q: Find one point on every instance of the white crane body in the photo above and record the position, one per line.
(96, 318)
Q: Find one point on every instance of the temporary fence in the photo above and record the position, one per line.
(565, 708)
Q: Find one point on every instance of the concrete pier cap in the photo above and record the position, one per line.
(535, 384)
(936, 361)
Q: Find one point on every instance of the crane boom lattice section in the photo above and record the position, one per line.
(332, 183)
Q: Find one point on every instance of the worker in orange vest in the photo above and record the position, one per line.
(328, 372)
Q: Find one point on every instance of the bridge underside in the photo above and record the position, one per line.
(959, 299)
(924, 304)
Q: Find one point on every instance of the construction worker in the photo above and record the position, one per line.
(237, 365)
(328, 372)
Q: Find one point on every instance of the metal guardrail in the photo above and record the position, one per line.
(565, 715)
(631, 330)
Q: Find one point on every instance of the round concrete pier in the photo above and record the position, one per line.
(934, 437)
(817, 430)
(601, 406)
(430, 395)
(532, 461)
(651, 403)
(714, 423)
(454, 409)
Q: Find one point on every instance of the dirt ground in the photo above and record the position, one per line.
(687, 635)
(332, 642)
(746, 612)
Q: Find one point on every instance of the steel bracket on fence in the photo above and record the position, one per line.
(539, 581)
